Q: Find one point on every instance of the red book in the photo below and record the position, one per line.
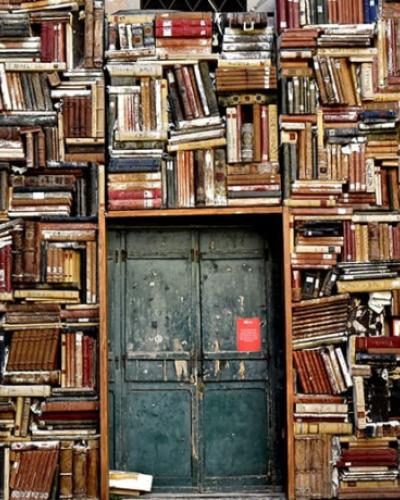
(134, 194)
(190, 92)
(3, 285)
(67, 415)
(92, 362)
(296, 14)
(67, 406)
(183, 23)
(85, 361)
(184, 31)
(9, 262)
(264, 134)
(368, 343)
(45, 42)
(282, 15)
(134, 204)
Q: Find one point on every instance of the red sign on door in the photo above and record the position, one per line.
(248, 334)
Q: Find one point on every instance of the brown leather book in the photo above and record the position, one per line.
(373, 238)
(66, 468)
(196, 93)
(79, 470)
(257, 132)
(92, 469)
(187, 109)
(98, 45)
(89, 33)
(196, 111)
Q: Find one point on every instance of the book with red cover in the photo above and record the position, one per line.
(134, 204)
(368, 343)
(134, 194)
(184, 30)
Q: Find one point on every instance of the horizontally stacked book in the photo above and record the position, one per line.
(173, 141)
(51, 140)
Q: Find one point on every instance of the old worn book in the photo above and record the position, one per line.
(130, 481)
(313, 469)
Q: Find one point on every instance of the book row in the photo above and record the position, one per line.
(34, 470)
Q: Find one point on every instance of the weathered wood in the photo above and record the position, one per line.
(103, 342)
(187, 212)
(313, 467)
(288, 355)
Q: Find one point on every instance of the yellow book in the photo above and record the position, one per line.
(335, 428)
(366, 286)
(189, 146)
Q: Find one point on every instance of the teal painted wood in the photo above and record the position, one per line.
(187, 407)
(233, 270)
(114, 332)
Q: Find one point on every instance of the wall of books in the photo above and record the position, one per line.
(51, 141)
(193, 118)
(339, 69)
(204, 111)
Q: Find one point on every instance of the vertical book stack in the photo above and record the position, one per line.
(51, 142)
(339, 148)
(172, 140)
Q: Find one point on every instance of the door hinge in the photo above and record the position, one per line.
(195, 255)
(124, 359)
(124, 255)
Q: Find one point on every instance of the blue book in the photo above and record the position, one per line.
(366, 11)
(373, 11)
(134, 165)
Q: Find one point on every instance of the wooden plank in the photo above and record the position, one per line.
(288, 356)
(188, 212)
(103, 342)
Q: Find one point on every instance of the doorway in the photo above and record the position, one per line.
(195, 388)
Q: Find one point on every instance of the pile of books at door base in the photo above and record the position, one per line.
(129, 484)
(51, 143)
(50, 469)
(172, 140)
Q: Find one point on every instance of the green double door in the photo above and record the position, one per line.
(189, 336)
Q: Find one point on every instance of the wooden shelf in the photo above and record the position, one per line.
(192, 212)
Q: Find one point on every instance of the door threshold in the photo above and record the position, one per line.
(216, 496)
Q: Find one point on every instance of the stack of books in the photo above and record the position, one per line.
(297, 13)
(184, 33)
(198, 154)
(246, 81)
(339, 127)
(52, 141)
(367, 468)
(130, 35)
(249, 36)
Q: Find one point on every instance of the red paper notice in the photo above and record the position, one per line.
(248, 334)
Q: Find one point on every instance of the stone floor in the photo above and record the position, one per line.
(216, 496)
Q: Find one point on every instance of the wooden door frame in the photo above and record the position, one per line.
(103, 331)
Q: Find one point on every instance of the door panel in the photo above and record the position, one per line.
(236, 442)
(187, 406)
(114, 339)
(233, 283)
(159, 326)
(159, 331)
(159, 434)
